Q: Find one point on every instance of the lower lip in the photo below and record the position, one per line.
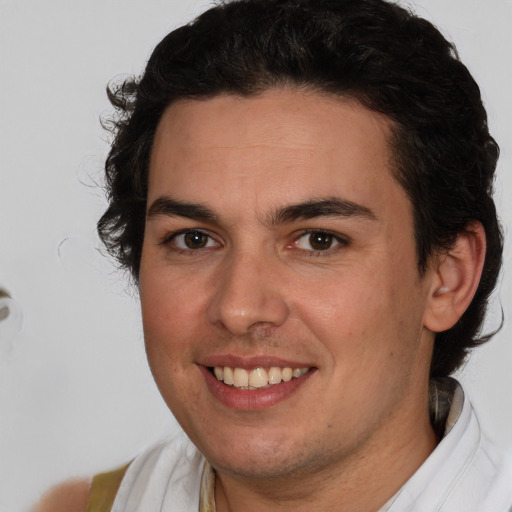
(255, 399)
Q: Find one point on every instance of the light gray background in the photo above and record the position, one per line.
(76, 394)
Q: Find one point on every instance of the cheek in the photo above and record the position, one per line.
(168, 301)
(359, 313)
(167, 319)
(343, 302)
(170, 328)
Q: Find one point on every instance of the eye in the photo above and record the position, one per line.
(318, 241)
(192, 240)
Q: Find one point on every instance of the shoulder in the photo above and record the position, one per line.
(71, 496)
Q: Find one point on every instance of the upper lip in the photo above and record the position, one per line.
(249, 362)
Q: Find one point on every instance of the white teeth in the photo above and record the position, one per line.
(241, 378)
(274, 375)
(228, 375)
(287, 374)
(299, 372)
(257, 377)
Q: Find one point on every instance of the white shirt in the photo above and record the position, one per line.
(465, 473)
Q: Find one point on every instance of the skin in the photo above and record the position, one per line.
(69, 496)
(356, 311)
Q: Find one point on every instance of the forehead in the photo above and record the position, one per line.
(285, 145)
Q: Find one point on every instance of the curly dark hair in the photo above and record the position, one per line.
(376, 52)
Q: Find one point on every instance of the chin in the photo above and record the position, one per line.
(262, 457)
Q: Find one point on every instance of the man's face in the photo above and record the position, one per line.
(277, 240)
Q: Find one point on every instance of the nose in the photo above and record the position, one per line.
(248, 295)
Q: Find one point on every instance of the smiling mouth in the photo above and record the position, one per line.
(257, 378)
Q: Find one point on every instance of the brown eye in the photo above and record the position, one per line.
(195, 239)
(318, 241)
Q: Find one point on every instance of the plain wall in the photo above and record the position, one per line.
(76, 395)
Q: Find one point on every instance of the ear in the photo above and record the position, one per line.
(456, 277)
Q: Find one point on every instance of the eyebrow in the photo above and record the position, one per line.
(174, 208)
(327, 207)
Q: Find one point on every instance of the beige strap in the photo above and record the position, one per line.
(207, 492)
(104, 489)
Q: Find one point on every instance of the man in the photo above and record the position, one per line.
(302, 190)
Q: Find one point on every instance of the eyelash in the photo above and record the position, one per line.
(339, 242)
(171, 240)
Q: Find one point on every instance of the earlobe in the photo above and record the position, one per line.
(456, 279)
